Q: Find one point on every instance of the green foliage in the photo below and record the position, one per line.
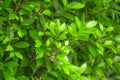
(59, 40)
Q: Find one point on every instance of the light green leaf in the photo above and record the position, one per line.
(75, 5)
(47, 12)
(82, 68)
(38, 43)
(9, 48)
(20, 33)
(12, 16)
(77, 21)
(18, 55)
(21, 44)
(6, 3)
(102, 64)
(91, 24)
(65, 2)
(5, 40)
(108, 42)
(101, 27)
(39, 53)
(62, 27)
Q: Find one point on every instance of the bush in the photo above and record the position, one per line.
(59, 40)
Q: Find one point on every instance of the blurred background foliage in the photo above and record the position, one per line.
(59, 40)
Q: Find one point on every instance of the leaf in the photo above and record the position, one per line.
(2, 19)
(77, 21)
(91, 24)
(21, 44)
(62, 27)
(22, 78)
(75, 5)
(33, 34)
(101, 27)
(65, 2)
(108, 42)
(82, 68)
(38, 43)
(47, 12)
(9, 48)
(92, 50)
(12, 16)
(102, 64)
(5, 40)
(11, 64)
(39, 53)
(6, 3)
(1, 51)
(18, 55)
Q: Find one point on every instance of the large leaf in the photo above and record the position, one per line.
(21, 44)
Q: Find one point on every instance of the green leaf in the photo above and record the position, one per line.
(12, 16)
(102, 64)
(22, 78)
(108, 42)
(82, 68)
(33, 34)
(6, 3)
(5, 40)
(9, 48)
(65, 2)
(38, 43)
(75, 5)
(91, 24)
(77, 21)
(39, 53)
(92, 50)
(2, 19)
(47, 12)
(62, 27)
(18, 55)
(11, 64)
(21, 44)
(1, 51)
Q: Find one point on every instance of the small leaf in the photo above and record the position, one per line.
(91, 24)
(9, 48)
(38, 43)
(18, 55)
(82, 68)
(21, 44)
(62, 27)
(101, 27)
(75, 5)
(77, 21)
(5, 40)
(102, 64)
(39, 53)
(108, 42)
(47, 12)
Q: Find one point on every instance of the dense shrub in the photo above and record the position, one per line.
(59, 40)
